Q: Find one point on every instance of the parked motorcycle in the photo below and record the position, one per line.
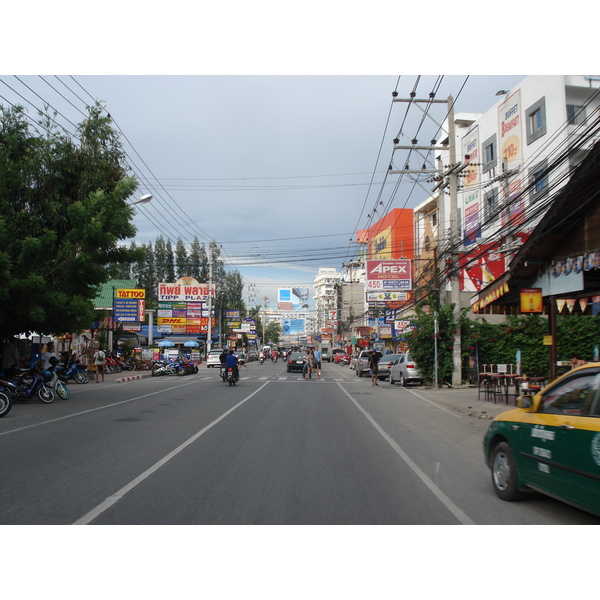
(5, 402)
(30, 383)
(168, 368)
(58, 386)
(75, 371)
(112, 364)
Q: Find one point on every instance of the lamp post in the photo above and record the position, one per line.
(143, 199)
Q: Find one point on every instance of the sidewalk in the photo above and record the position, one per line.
(465, 400)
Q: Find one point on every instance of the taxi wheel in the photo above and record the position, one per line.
(504, 473)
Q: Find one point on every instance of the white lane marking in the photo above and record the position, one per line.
(111, 500)
(91, 410)
(450, 412)
(455, 510)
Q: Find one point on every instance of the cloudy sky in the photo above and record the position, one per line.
(279, 170)
(265, 133)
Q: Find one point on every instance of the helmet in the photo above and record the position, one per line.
(53, 361)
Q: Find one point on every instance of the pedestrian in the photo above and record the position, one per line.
(306, 365)
(317, 355)
(47, 355)
(313, 365)
(99, 362)
(374, 366)
(10, 358)
(577, 362)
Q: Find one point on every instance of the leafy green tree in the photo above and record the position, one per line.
(272, 332)
(421, 341)
(63, 210)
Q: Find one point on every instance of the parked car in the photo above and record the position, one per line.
(295, 361)
(212, 360)
(405, 371)
(385, 365)
(551, 442)
(362, 363)
(335, 352)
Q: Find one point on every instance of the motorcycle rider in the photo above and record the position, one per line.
(232, 361)
(222, 358)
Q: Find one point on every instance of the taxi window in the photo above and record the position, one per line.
(572, 397)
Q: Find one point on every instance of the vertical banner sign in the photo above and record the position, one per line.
(471, 187)
(511, 154)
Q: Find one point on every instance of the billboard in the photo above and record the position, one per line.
(389, 275)
(284, 299)
(511, 152)
(471, 187)
(185, 289)
(129, 306)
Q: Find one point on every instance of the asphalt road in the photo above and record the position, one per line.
(274, 449)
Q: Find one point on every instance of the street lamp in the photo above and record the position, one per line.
(143, 200)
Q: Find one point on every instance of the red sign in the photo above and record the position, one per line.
(389, 275)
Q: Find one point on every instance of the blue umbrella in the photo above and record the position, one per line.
(166, 344)
(191, 344)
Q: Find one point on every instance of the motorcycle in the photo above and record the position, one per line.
(344, 362)
(129, 364)
(261, 360)
(170, 368)
(75, 371)
(112, 364)
(5, 402)
(59, 387)
(230, 376)
(30, 383)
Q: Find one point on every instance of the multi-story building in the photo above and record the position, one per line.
(326, 299)
(513, 161)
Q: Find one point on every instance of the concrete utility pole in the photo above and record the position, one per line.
(450, 177)
(454, 243)
(209, 332)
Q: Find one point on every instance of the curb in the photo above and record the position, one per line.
(131, 378)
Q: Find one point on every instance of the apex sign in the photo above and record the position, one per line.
(389, 275)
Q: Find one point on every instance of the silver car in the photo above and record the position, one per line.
(385, 365)
(405, 371)
(212, 360)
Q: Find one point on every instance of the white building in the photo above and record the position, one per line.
(326, 296)
(517, 155)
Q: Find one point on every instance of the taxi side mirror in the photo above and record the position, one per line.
(525, 401)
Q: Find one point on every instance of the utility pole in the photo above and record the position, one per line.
(454, 243)
(450, 177)
(209, 332)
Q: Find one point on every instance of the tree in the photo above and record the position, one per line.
(63, 210)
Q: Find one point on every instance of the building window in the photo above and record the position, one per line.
(575, 114)
(490, 153)
(539, 181)
(490, 200)
(536, 121)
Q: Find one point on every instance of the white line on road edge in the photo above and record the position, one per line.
(111, 500)
(457, 512)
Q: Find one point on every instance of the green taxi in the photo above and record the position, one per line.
(551, 442)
